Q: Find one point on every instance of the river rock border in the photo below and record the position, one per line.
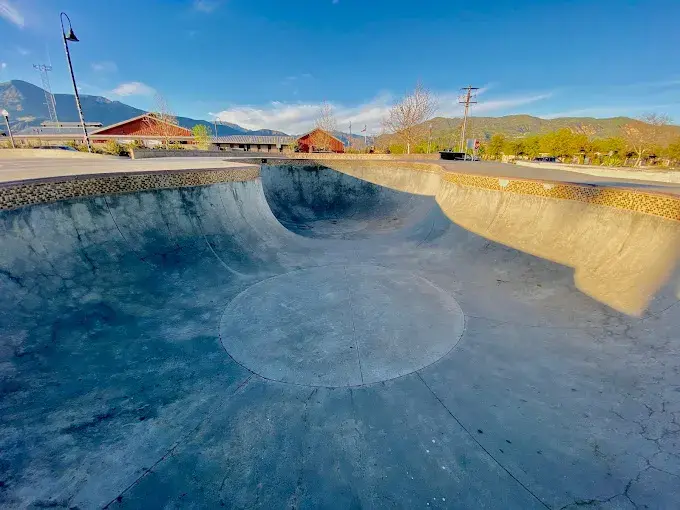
(15, 195)
(664, 206)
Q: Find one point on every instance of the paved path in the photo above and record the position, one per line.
(555, 174)
(13, 170)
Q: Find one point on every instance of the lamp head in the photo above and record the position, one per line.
(71, 36)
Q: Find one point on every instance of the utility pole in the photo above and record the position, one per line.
(429, 136)
(350, 134)
(467, 99)
(49, 97)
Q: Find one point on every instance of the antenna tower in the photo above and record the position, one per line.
(49, 97)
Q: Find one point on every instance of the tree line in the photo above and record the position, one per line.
(642, 141)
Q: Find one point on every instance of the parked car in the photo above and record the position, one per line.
(58, 147)
(449, 154)
(546, 159)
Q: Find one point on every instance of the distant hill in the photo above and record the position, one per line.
(520, 126)
(266, 132)
(26, 105)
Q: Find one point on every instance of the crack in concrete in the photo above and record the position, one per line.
(354, 329)
(527, 489)
(294, 500)
(178, 443)
(596, 501)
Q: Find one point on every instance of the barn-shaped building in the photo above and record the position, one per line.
(143, 126)
(319, 140)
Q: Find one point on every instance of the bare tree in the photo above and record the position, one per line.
(644, 134)
(406, 119)
(167, 119)
(326, 124)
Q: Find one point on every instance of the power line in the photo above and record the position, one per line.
(49, 97)
(467, 99)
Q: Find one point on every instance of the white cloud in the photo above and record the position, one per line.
(133, 88)
(625, 110)
(11, 13)
(509, 103)
(296, 118)
(104, 67)
(23, 51)
(206, 5)
(3, 65)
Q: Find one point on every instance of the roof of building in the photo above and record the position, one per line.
(51, 124)
(37, 131)
(138, 117)
(323, 131)
(256, 139)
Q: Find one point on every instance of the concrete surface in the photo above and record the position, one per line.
(559, 174)
(117, 390)
(643, 174)
(11, 154)
(22, 169)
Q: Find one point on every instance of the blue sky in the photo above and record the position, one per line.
(270, 63)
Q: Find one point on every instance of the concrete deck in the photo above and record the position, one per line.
(309, 339)
(24, 169)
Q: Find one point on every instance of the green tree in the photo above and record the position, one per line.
(558, 143)
(201, 136)
(514, 148)
(532, 146)
(672, 152)
(494, 149)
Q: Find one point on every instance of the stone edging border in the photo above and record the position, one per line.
(655, 204)
(20, 194)
(664, 206)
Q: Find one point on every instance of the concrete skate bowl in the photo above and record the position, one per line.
(181, 347)
(315, 201)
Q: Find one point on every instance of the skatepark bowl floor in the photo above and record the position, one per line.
(308, 339)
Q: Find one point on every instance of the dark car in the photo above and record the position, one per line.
(58, 147)
(456, 156)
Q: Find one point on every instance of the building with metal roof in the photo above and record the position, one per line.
(315, 140)
(254, 143)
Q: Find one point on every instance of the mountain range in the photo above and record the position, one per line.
(26, 105)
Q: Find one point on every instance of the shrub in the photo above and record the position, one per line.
(136, 144)
(114, 148)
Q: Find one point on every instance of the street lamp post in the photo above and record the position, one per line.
(5, 114)
(72, 38)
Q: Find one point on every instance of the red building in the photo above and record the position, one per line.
(147, 125)
(319, 140)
